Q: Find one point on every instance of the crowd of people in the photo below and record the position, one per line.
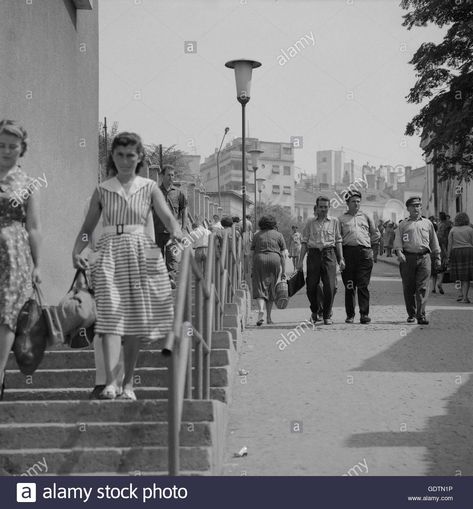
(133, 274)
(426, 250)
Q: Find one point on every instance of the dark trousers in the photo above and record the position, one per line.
(321, 265)
(415, 274)
(356, 278)
(170, 253)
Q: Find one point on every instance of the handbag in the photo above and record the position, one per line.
(295, 282)
(282, 296)
(31, 335)
(53, 324)
(77, 313)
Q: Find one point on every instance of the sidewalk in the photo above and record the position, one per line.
(391, 396)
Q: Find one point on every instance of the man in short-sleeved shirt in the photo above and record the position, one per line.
(358, 231)
(322, 241)
(177, 202)
(415, 240)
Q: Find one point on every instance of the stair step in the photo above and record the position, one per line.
(100, 411)
(62, 378)
(82, 393)
(103, 434)
(122, 460)
(82, 359)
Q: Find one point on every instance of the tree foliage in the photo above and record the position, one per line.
(283, 218)
(172, 156)
(445, 79)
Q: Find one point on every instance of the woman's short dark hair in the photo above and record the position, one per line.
(462, 219)
(226, 221)
(442, 216)
(124, 140)
(267, 223)
(236, 219)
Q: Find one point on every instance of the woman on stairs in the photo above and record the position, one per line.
(20, 236)
(132, 288)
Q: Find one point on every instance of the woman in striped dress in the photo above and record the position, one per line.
(132, 288)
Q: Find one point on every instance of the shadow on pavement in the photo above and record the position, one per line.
(443, 346)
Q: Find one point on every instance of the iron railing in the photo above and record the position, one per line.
(199, 311)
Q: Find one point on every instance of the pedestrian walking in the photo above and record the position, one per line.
(132, 287)
(460, 254)
(381, 237)
(415, 241)
(322, 241)
(358, 231)
(269, 263)
(295, 244)
(177, 203)
(444, 227)
(20, 236)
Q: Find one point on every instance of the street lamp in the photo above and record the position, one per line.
(260, 190)
(243, 71)
(255, 153)
(218, 166)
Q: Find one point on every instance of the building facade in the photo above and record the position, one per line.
(331, 166)
(49, 84)
(276, 166)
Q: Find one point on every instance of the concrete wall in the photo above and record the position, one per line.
(49, 83)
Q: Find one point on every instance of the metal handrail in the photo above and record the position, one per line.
(188, 367)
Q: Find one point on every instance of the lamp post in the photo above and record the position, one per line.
(243, 70)
(260, 189)
(218, 166)
(255, 153)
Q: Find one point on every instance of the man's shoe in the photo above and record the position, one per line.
(314, 318)
(411, 319)
(328, 321)
(349, 319)
(422, 321)
(365, 319)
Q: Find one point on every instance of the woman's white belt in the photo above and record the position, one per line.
(119, 229)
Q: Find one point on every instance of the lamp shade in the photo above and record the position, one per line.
(243, 70)
(255, 153)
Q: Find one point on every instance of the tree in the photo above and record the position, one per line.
(171, 156)
(105, 150)
(445, 79)
(283, 218)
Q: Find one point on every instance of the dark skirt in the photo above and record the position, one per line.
(266, 269)
(461, 261)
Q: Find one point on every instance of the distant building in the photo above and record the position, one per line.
(276, 166)
(331, 166)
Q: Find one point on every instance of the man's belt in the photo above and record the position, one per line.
(419, 253)
(329, 248)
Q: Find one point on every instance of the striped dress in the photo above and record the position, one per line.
(132, 288)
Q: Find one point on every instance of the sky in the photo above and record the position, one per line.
(344, 86)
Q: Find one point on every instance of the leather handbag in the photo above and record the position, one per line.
(295, 282)
(31, 335)
(53, 324)
(77, 312)
(282, 297)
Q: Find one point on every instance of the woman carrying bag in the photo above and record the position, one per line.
(20, 236)
(130, 280)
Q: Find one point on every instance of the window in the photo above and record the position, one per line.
(276, 189)
(287, 151)
(287, 190)
(287, 170)
(276, 168)
(324, 178)
(324, 159)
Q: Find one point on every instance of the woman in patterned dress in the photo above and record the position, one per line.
(132, 288)
(20, 236)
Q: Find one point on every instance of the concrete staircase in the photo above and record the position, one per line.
(47, 418)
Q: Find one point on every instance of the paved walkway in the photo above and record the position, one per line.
(383, 399)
